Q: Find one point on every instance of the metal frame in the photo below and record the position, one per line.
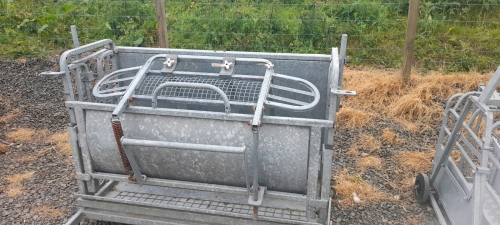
(468, 190)
(99, 200)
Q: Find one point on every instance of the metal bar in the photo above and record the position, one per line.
(467, 144)
(326, 175)
(106, 188)
(200, 114)
(82, 140)
(201, 187)
(74, 35)
(141, 74)
(76, 218)
(300, 103)
(439, 214)
(86, 58)
(342, 59)
(147, 208)
(276, 56)
(313, 168)
(255, 164)
(331, 100)
(135, 168)
(479, 188)
(490, 87)
(78, 80)
(292, 90)
(188, 73)
(100, 70)
(77, 156)
(192, 85)
(247, 178)
(493, 193)
(192, 100)
(84, 48)
(264, 90)
(113, 90)
(183, 146)
(118, 80)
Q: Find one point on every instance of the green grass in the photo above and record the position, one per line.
(451, 36)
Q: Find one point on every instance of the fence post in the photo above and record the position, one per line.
(161, 20)
(411, 30)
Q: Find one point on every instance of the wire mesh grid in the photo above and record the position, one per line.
(237, 90)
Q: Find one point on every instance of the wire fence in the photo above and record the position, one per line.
(451, 36)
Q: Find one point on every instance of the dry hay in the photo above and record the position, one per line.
(14, 190)
(419, 161)
(353, 150)
(369, 162)
(390, 137)
(25, 159)
(353, 117)
(369, 143)
(10, 116)
(27, 135)
(382, 91)
(61, 140)
(48, 211)
(18, 178)
(347, 184)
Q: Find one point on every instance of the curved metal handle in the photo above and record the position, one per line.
(303, 106)
(110, 93)
(191, 85)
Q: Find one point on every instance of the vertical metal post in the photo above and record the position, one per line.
(255, 163)
(313, 169)
(77, 156)
(74, 35)
(161, 20)
(411, 30)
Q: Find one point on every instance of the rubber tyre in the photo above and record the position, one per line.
(422, 188)
(333, 192)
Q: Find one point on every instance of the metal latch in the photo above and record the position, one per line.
(169, 64)
(227, 66)
(343, 92)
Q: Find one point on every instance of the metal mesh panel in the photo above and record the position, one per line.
(236, 90)
(212, 205)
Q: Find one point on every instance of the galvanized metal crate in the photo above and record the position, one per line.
(172, 136)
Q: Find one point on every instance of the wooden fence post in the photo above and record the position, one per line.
(411, 30)
(161, 20)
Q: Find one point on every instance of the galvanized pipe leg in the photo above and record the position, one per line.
(255, 163)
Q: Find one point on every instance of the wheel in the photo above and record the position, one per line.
(422, 188)
(333, 192)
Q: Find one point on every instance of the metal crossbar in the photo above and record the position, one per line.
(236, 90)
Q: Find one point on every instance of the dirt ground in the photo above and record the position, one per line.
(378, 151)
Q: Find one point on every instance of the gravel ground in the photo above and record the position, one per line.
(41, 103)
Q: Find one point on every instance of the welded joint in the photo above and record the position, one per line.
(262, 191)
(318, 203)
(83, 176)
(483, 170)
